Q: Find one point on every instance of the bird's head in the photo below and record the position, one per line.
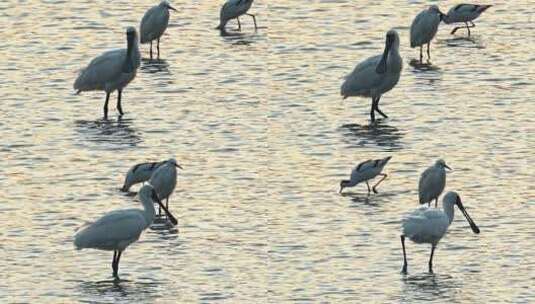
(435, 10)
(173, 162)
(343, 184)
(452, 198)
(167, 5)
(442, 164)
(392, 42)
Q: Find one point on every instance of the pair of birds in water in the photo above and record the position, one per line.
(116, 230)
(379, 74)
(425, 224)
(114, 70)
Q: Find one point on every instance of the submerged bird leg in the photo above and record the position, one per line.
(382, 179)
(119, 107)
(106, 105)
(158, 47)
(404, 269)
(377, 108)
(151, 49)
(428, 53)
(254, 20)
(372, 111)
(431, 258)
(116, 268)
(114, 263)
(239, 24)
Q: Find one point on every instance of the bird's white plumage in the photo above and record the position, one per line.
(464, 13)
(164, 179)
(233, 9)
(432, 182)
(106, 72)
(367, 81)
(368, 170)
(154, 22)
(425, 225)
(118, 229)
(139, 173)
(424, 26)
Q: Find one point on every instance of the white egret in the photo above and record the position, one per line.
(429, 225)
(376, 75)
(465, 13)
(139, 173)
(432, 182)
(424, 28)
(164, 180)
(154, 23)
(118, 229)
(233, 9)
(366, 171)
(113, 70)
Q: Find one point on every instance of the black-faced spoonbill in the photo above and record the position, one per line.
(139, 173)
(164, 180)
(233, 9)
(424, 28)
(432, 182)
(154, 23)
(376, 75)
(366, 171)
(113, 70)
(465, 13)
(118, 229)
(428, 225)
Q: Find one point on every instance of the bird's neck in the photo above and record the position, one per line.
(448, 209)
(148, 208)
(131, 49)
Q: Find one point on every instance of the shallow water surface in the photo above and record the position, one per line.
(257, 122)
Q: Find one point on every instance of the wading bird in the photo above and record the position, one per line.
(424, 28)
(139, 173)
(376, 75)
(464, 13)
(164, 180)
(429, 225)
(432, 182)
(366, 171)
(118, 229)
(154, 23)
(113, 70)
(233, 9)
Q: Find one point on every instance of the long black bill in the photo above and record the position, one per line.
(381, 67)
(171, 8)
(473, 225)
(179, 166)
(169, 215)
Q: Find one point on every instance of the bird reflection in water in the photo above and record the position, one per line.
(376, 134)
(431, 287)
(120, 288)
(423, 66)
(153, 66)
(107, 131)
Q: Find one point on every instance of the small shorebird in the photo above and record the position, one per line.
(366, 171)
(432, 182)
(154, 23)
(465, 13)
(424, 28)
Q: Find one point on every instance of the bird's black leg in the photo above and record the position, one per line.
(421, 53)
(368, 187)
(119, 107)
(455, 29)
(254, 20)
(428, 53)
(151, 49)
(114, 262)
(158, 47)
(377, 107)
(239, 24)
(106, 105)
(467, 28)
(404, 269)
(382, 179)
(431, 259)
(436, 202)
(116, 268)
(372, 111)
(167, 205)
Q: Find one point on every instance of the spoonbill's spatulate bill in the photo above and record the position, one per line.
(366, 171)
(432, 182)
(164, 180)
(113, 70)
(464, 13)
(233, 9)
(139, 173)
(116, 230)
(154, 23)
(424, 28)
(376, 75)
(429, 225)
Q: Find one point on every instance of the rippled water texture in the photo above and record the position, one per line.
(264, 137)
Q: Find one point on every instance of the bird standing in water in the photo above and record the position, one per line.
(154, 23)
(366, 171)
